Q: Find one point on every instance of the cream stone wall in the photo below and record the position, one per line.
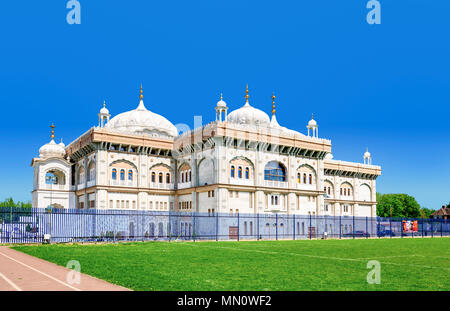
(209, 166)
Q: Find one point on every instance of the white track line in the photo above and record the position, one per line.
(17, 288)
(321, 257)
(43, 273)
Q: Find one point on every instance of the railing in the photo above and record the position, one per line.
(55, 187)
(184, 185)
(90, 183)
(81, 186)
(275, 184)
(306, 186)
(125, 183)
(241, 181)
(346, 197)
(160, 185)
(28, 225)
(275, 208)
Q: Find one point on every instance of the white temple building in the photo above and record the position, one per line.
(243, 162)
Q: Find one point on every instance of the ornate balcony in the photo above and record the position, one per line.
(306, 186)
(55, 187)
(184, 185)
(156, 185)
(124, 183)
(241, 181)
(275, 184)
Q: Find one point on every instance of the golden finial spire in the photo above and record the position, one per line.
(142, 94)
(273, 104)
(246, 94)
(53, 131)
(104, 103)
(312, 116)
(221, 96)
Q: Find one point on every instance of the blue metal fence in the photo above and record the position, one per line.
(28, 225)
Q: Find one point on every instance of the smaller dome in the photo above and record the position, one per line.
(221, 102)
(367, 154)
(52, 150)
(329, 156)
(104, 110)
(312, 122)
(62, 144)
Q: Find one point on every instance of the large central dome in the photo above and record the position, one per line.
(249, 115)
(143, 121)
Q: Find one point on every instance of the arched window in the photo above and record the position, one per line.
(247, 173)
(304, 178)
(190, 176)
(153, 176)
(310, 179)
(160, 178)
(114, 174)
(167, 178)
(182, 177)
(232, 171)
(240, 172)
(274, 171)
(329, 190)
(122, 174)
(130, 175)
(298, 177)
(51, 179)
(91, 169)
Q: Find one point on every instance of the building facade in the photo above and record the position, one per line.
(243, 162)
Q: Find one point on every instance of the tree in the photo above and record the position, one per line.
(9, 202)
(397, 205)
(426, 212)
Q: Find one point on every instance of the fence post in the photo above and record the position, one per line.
(353, 227)
(294, 225)
(10, 223)
(238, 226)
(276, 226)
(340, 227)
(193, 227)
(432, 228)
(422, 227)
(310, 225)
(401, 227)
(217, 226)
(257, 226)
(390, 227)
(367, 227)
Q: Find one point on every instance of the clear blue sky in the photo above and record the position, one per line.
(385, 87)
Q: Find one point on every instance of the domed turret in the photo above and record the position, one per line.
(142, 121)
(221, 108)
(367, 157)
(103, 116)
(312, 125)
(52, 150)
(249, 115)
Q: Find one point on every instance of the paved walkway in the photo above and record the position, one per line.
(22, 272)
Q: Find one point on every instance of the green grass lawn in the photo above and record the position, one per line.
(406, 264)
